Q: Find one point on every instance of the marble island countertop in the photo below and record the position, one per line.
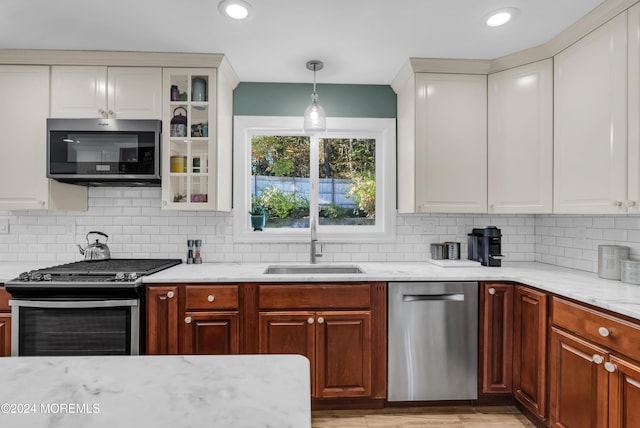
(240, 391)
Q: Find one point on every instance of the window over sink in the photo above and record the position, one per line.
(343, 177)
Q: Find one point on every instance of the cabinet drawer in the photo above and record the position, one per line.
(606, 330)
(4, 300)
(211, 297)
(324, 296)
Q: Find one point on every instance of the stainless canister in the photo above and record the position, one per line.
(452, 250)
(609, 258)
(630, 271)
(437, 251)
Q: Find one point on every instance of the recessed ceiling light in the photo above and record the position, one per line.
(500, 17)
(235, 9)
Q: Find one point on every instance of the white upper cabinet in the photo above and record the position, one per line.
(23, 174)
(633, 146)
(106, 92)
(520, 146)
(590, 123)
(197, 142)
(450, 143)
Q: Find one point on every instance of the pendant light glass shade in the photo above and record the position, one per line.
(314, 116)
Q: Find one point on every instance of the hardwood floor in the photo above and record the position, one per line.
(445, 417)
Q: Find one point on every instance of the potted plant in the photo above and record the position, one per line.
(258, 218)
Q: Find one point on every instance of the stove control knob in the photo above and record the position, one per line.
(119, 276)
(24, 276)
(46, 277)
(36, 276)
(133, 276)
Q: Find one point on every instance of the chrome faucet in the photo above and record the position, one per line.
(314, 238)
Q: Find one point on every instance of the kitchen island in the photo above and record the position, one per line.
(240, 391)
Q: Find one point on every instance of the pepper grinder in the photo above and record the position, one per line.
(198, 257)
(190, 251)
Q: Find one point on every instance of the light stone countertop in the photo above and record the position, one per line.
(583, 286)
(221, 391)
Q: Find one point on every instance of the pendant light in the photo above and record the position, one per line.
(314, 116)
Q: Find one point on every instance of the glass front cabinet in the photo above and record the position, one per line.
(195, 151)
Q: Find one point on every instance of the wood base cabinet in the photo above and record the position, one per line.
(162, 320)
(496, 338)
(5, 323)
(339, 328)
(193, 319)
(530, 349)
(591, 384)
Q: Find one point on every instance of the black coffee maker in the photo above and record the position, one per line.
(485, 246)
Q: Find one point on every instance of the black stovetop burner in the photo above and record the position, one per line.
(98, 276)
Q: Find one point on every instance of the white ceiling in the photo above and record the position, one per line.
(360, 41)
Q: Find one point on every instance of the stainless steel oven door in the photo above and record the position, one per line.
(75, 327)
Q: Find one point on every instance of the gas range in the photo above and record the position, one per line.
(96, 277)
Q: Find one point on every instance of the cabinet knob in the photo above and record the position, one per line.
(616, 203)
(187, 320)
(492, 291)
(320, 320)
(164, 203)
(604, 332)
(598, 359)
(170, 294)
(310, 320)
(102, 112)
(111, 113)
(211, 298)
(610, 367)
(630, 204)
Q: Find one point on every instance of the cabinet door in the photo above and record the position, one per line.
(451, 143)
(520, 146)
(529, 349)
(343, 354)
(288, 333)
(578, 383)
(134, 93)
(78, 92)
(5, 334)
(210, 333)
(590, 122)
(23, 145)
(497, 337)
(162, 320)
(624, 394)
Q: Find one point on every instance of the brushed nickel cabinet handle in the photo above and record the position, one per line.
(211, 298)
(604, 332)
(598, 359)
(187, 320)
(170, 294)
(310, 320)
(610, 367)
(492, 291)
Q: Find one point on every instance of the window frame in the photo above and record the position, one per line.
(381, 129)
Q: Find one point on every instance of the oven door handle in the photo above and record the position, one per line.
(73, 304)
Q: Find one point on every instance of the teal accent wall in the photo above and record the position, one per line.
(291, 99)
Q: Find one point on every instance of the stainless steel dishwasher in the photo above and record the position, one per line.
(433, 341)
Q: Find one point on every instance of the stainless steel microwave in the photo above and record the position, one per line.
(104, 152)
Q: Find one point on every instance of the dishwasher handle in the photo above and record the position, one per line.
(448, 297)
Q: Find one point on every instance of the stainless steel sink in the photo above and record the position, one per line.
(319, 269)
